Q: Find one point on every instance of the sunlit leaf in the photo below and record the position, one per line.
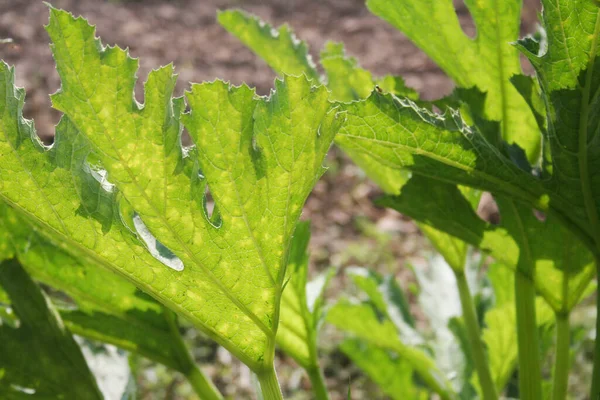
(118, 187)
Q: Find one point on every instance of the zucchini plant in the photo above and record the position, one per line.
(116, 213)
(529, 141)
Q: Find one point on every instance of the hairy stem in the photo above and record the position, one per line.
(530, 374)
(474, 336)
(318, 383)
(561, 361)
(269, 385)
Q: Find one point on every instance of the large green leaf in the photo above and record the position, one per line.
(40, 359)
(301, 305)
(380, 321)
(567, 69)
(347, 81)
(400, 135)
(118, 187)
(487, 61)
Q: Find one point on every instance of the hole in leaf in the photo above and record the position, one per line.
(209, 202)
(488, 209)
(186, 139)
(22, 389)
(156, 248)
(465, 18)
(539, 215)
(210, 209)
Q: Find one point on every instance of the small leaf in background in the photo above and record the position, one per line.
(301, 304)
(393, 375)
(370, 321)
(39, 357)
(278, 47)
(347, 81)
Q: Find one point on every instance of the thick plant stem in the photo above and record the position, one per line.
(269, 385)
(561, 361)
(318, 383)
(530, 374)
(474, 336)
(595, 393)
(203, 387)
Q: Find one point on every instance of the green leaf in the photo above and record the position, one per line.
(379, 321)
(118, 187)
(39, 357)
(487, 61)
(278, 47)
(400, 135)
(563, 266)
(347, 81)
(301, 305)
(107, 307)
(567, 70)
(393, 375)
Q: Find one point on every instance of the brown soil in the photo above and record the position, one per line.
(185, 32)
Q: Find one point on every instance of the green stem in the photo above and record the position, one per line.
(474, 336)
(561, 361)
(269, 385)
(595, 393)
(205, 389)
(530, 374)
(202, 385)
(318, 383)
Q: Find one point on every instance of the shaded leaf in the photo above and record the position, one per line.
(107, 307)
(39, 359)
